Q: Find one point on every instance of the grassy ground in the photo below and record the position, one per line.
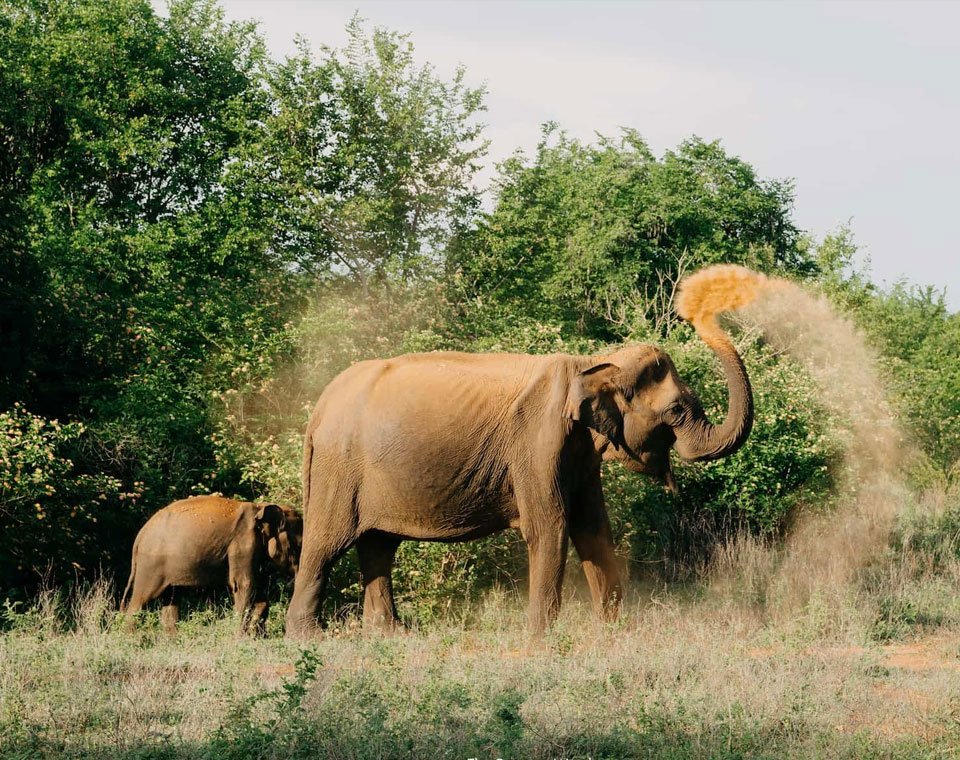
(707, 670)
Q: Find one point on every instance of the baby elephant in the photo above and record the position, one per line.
(208, 541)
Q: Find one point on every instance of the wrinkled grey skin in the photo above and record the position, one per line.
(452, 447)
(210, 541)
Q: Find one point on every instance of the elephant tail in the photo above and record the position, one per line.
(307, 465)
(125, 599)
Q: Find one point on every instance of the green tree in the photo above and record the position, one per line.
(169, 196)
(589, 235)
(917, 338)
(140, 280)
(372, 156)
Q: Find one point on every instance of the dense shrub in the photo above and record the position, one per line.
(49, 507)
(789, 460)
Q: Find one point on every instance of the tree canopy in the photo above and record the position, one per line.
(165, 191)
(588, 235)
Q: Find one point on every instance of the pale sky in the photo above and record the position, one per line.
(858, 102)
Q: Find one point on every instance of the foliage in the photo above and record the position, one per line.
(146, 289)
(586, 236)
(372, 156)
(918, 340)
(242, 731)
(37, 478)
(151, 170)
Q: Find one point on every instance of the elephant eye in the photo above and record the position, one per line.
(673, 412)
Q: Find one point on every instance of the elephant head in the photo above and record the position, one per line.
(280, 531)
(638, 409)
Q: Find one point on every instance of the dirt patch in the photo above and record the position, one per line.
(762, 653)
(275, 671)
(934, 653)
(913, 685)
(939, 652)
(919, 698)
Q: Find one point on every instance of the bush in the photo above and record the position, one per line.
(50, 508)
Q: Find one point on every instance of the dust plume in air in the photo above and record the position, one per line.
(716, 289)
(826, 547)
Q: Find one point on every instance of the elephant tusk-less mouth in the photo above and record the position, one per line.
(670, 483)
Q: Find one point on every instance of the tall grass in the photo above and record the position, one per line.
(710, 669)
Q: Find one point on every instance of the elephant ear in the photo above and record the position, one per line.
(591, 400)
(270, 520)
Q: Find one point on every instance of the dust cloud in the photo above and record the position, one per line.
(826, 547)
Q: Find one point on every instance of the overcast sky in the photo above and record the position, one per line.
(859, 102)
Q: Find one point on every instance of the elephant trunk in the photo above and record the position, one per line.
(698, 440)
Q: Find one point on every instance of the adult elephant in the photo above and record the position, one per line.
(456, 446)
(212, 541)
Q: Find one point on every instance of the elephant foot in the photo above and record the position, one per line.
(383, 621)
(381, 627)
(300, 629)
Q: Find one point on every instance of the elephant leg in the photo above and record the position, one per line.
(170, 612)
(134, 606)
(141, 595)
(376, 552)
(547, 549)
(248, 586)
(591, 536)
(317, 557)
(258, 616)
(243, 601)
(330, 528)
